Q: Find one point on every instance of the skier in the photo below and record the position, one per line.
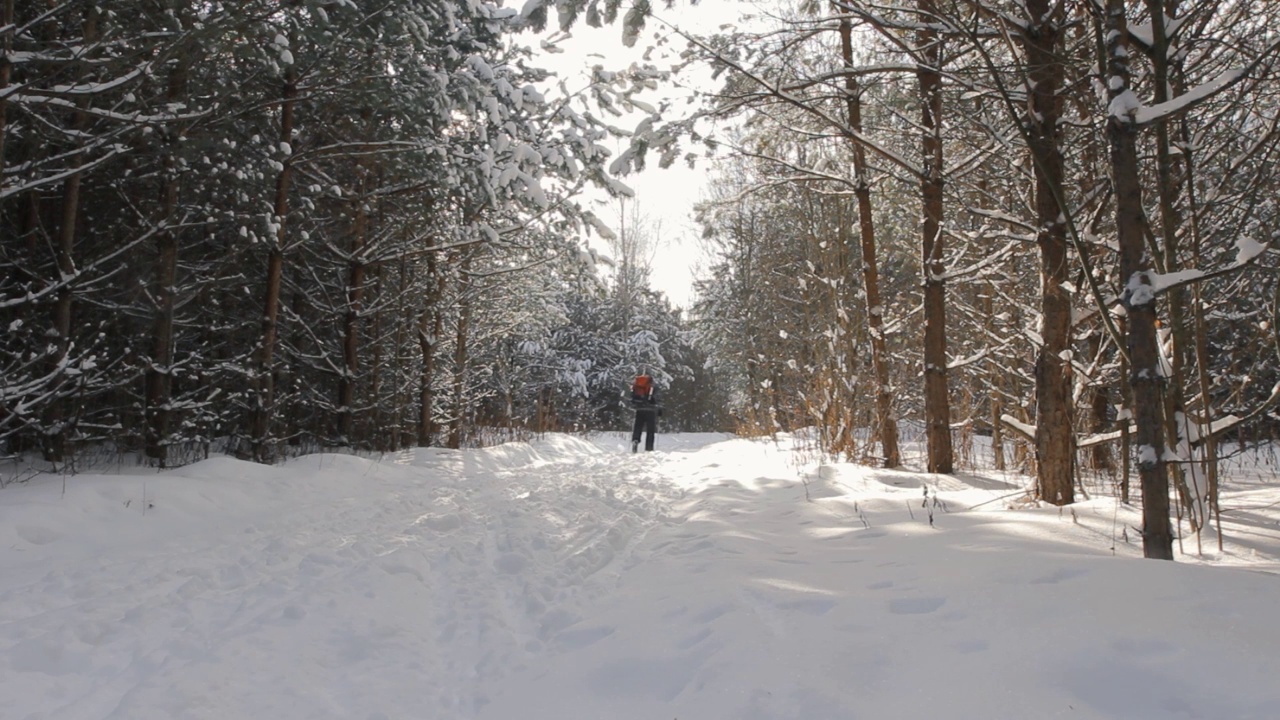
(644, 398)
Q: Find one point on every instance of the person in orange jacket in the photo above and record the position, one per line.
(644, 398)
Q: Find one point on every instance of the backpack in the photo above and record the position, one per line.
(642, 386)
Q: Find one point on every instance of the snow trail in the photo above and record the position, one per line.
(409, 578)
(714, 579)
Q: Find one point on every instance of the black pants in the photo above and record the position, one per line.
(646, 422)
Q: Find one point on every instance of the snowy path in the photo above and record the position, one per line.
(399, 587)
(571, 581)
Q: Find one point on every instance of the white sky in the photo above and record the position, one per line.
(665, 196)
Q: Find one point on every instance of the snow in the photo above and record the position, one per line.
(1139, 289)
(1125, 105)
(1146, 455)
(1160, 111)
(1160, 282)
(1248, 250)
(715, 579)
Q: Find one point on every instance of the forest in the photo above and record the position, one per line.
(274, 226)
(265, 228)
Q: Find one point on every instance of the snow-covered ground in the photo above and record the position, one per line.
(717, 579)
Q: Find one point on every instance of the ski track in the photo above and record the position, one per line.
(363, 596)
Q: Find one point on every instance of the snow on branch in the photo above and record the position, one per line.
(133, 118)
(977, 357)
(1003, 217)
(1182, 103)
(1144, 35)
(1026, 430)
(1248, 250)
(114, 151)
(599, 226)
(93, 88)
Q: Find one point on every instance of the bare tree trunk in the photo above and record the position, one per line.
(159, 375)
(356, 272)
(265, 409)
(458, 424)
(376, 419)
(55, 416)
(6, 72)
(886, 425)
(1138, 296)
(1169, 188)
(997, 387)
(1126, 437)
(430, 328)
(1210, 450)
(398, 350)
(1099, 407)
(1055, 430)
(351, 323)
(937, 402)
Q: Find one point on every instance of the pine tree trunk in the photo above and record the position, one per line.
(159, 375)
(383, 438)
(937, 403)
(1099, 408)
(1170, 188)
(399, 350)
(886, 424)
(996, 401)
(457, 426)
(430, 328)
(6, 72)
(55, 416)
(1055, 429)
(1138, 297)
(263, 450)
(1210, 450)
(351, 325)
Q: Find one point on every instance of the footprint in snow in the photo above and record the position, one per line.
(37, 535)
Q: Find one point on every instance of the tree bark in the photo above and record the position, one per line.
(1137, 297)
(997, 384)
(1169, 189)
(937, 402)
(351, 324)
(265, 409)
(159, 375)
(382, 439)
(430, 328)
(1210, 450)
(397, 349)
(457, 425)
(1055, 429)
(1099, 407)
(886, 425)
(55, 416)
(6, 72)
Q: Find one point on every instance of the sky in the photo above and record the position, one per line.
(717, 578)
(665, 196)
